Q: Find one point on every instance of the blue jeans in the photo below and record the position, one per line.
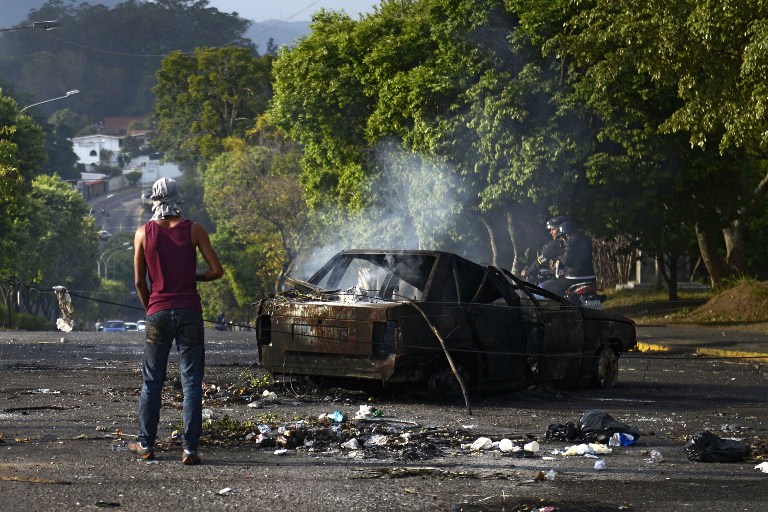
(186, 327)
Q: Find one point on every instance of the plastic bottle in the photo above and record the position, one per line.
(656, 456)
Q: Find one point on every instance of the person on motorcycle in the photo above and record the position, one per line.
(549, 253)
(575, 262)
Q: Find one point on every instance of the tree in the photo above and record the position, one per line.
(60, 244)
(115, 51)
(133, 177)
(663, 74)
(207, 97)
(447, 81)
(21, 152)
(253, 194)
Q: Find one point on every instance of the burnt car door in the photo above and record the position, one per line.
(499, 330)
(556, 336)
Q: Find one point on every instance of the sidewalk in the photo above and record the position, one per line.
(749, 341)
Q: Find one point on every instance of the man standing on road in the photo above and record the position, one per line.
(166, 255)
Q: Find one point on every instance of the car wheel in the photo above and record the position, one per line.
(606, 369)
(442, 384)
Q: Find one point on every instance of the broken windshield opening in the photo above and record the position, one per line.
(385, 276)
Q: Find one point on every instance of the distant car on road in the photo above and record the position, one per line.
(141, 325)
(373, 316)
(114, 326)
(131, 326)
(103, 235)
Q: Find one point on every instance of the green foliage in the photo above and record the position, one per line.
(253, 194)
(32, 323)
(204, 98)
(59, 248)
(115, 52)
(133, 177)
(252, 380)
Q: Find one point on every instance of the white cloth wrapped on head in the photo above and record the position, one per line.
(165, 199)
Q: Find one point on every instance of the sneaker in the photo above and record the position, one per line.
(190, 458)
(144, 452)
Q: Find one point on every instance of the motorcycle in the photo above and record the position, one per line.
(585, 293)
(580, 293)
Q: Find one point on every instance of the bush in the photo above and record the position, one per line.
(24, 322)
(32, 323)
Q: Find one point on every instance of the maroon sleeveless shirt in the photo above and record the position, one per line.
(172, 266)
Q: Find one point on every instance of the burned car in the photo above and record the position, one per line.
(434, 318)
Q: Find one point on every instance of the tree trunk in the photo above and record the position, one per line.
(7, 298)
(670, 278)
(515, 243)
(735, 248)
(708, 247)
(492, 239)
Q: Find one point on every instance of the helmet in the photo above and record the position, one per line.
(565, 229)
(555, 222)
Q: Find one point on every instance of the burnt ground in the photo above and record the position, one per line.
(68, 402)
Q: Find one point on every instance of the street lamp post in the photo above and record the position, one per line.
(45, 25)
(69, 93)
(106, 265)
(101, 258)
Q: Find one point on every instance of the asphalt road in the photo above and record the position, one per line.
(68, 402)
(118, 212)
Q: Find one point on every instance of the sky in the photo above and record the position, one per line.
(290, 10)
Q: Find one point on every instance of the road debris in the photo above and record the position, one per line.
(33, 480)
(707, 447)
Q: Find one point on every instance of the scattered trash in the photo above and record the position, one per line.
(600, 465)
(567, 432)
(352, 444)
(65, 323)
(763, 466)
(531, 447)
(551, 474)
(269, 396)
(587, 449)
(208, 414)
(281, 451)
(598, 426)
(367, 412)
(46, 391)
(656, 456)
(225, 491)
(621, 439)
(707, 447)
(482, 443)
(506, 445)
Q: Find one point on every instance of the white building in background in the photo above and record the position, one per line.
(89, 149)
(152, 168)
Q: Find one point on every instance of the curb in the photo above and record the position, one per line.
(710, 352)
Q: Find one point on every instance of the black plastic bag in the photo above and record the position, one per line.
(567, 432)
(707, 447)
(598, 426)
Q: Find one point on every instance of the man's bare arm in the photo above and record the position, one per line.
(140, 267)
(203, 242)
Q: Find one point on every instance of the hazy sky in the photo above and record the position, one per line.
(290, 10)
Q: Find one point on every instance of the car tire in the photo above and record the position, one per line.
(442, 383)
(605, 371)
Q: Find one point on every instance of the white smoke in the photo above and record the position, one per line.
(415, 207)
